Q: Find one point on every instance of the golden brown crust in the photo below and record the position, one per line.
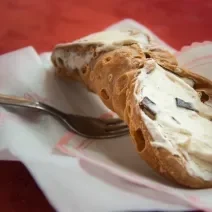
(112, 76)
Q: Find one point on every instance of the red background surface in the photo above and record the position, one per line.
(43, 23)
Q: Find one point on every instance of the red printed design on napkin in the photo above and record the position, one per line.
(78, 142)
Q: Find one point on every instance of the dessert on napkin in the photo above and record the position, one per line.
(166, 107)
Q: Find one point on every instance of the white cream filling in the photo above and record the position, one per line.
(105, 40)
(188, 81)
(179, 130)
(73, 60)
(112, 37)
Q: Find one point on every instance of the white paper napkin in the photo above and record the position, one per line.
(49, 151)
(67, 183)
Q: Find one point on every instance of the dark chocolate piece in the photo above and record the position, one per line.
(186, 105)
(147, 106)
(146, 101)
(175, 120)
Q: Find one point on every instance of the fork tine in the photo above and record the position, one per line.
(118, 132)
(124, 130)
(116, 127)
(112, 121)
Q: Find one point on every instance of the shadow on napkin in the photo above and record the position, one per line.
(71, 96)
(121, 153)
(113, 180)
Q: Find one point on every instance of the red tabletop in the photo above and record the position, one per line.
(43, 23)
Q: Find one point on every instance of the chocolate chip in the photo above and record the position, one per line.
(175, 120)
(147, 106)
(186, 105)
(146, 100)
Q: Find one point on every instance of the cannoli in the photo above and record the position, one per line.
(166, 107)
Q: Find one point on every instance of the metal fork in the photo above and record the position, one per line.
(88, 127)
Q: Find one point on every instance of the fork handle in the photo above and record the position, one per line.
(18, 101)
(22, 102)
